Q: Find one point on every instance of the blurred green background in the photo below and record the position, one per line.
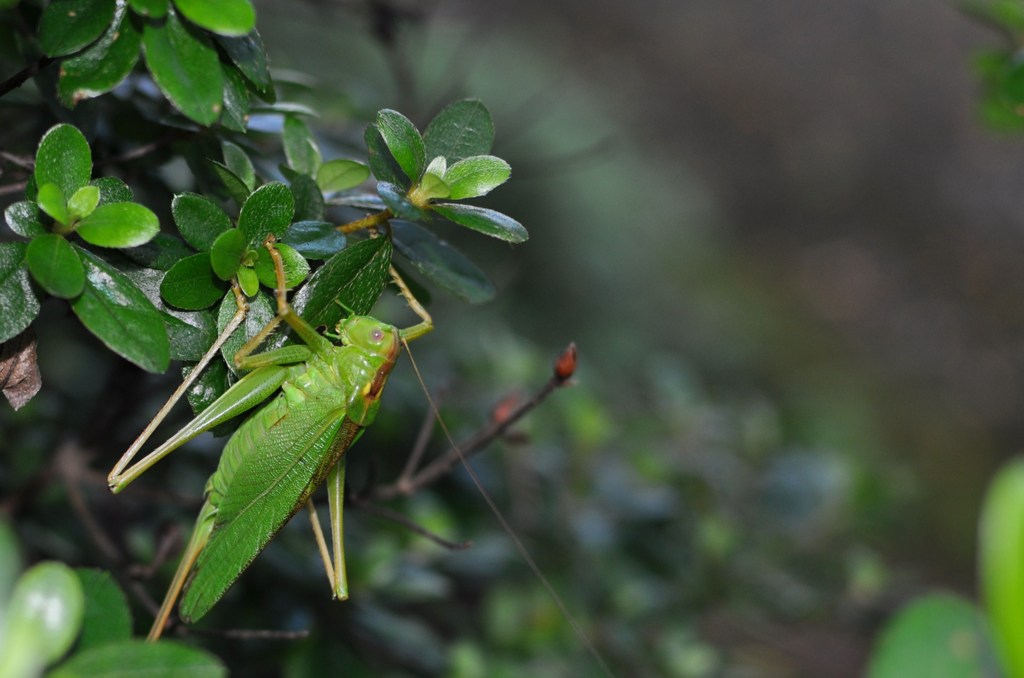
(788, 249)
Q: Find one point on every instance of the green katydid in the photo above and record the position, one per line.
(283, 452)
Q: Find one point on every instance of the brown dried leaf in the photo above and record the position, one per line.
(19, 371)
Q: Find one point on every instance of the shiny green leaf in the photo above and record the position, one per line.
(18, 303)
(224, 17)
(237, 188)
(235, 116)
(399, 204)
(268, 210)
(154, 9)
(1001, 563)
(83, 202)
(432, 187)
(191, 284)
(104, 65)
(309, 201)
(185, 66)
(210, 385)
(112, 189)
(190, 333)
(475, 176)
(939, 636)
(45, 611)
(55, 265)
(24, 219)
(247, 52)
(299, 146)
(382, 164)
(106, 618)
(51, 200)
(121, 316)
(63, 158)
(261, 311)
(226, 253)
(119, 224)
(489, 222)
(67, 26)
(315, 239)
(356, 276)
(295, 267)
(403, 140)
(248, 281)
(237, 160)
(160, 253)
(199, 220)
(341, 175)
(463, 129)
(441, 263)
(165, 659)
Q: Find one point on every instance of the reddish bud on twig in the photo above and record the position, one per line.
(504, 409)
(565, 365)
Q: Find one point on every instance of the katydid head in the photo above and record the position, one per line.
(370, 335)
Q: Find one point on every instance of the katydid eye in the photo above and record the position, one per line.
(377, 335)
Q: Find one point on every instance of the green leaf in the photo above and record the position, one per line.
(247, 52)
(403, 140)
(10, 561)
(382, 164)
(237, 188)
(299, 146)
(51, 200)
(154, 9)
(24, 219)
(83, 202)
(236, 99)
(165, 659)
(107, 618)
(227, 252)
(341, 175)
(184, 64)
(121, 316)
(160, 253)
(210, 385)
(112, 189)
(1001, 563)
(119, 224)
(268, 210)
(261, 311)
(237, 160)
(55, 265)
(191, 284)
(399, 203)
(356, 276)
(104, 65)
(432, 187)
(248, 281)
(67, 26)
(18, 303)
(309, 201)
(224, 17)
(315, 239)
(486, 221)
(475, 176)
(63, 158)
(295, 267)
(199, 220)
(939, 636)
(441, 263)
(190, 333)
(43, 617)
(463, 129)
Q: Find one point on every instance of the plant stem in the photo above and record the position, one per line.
(366, 222)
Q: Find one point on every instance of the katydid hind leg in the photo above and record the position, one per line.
(336, 502)
(200, 535)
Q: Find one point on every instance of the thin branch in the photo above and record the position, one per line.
(396, 517)
(480, 440)
(18, 79)
(366, 222)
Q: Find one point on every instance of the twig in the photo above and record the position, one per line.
(441, 466)
(16, 80)
(396, 517)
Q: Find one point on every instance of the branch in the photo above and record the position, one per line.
(408, 485)
(18, 79)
